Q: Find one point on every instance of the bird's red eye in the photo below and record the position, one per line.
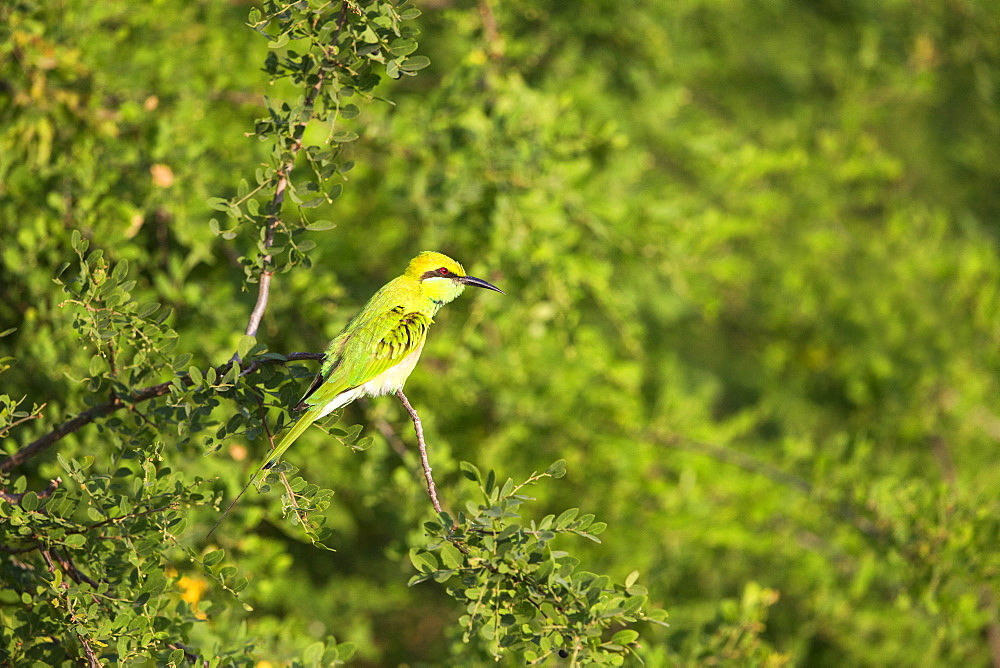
(443, 271)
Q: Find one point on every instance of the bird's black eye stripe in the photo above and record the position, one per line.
(442, 272)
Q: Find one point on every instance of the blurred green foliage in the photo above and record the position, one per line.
(752, 271)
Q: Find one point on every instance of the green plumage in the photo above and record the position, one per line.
(379, 347)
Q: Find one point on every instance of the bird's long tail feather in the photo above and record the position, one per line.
(293, 434)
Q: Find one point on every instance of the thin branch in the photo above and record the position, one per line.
(281, 185)
(284, 478)
(263, 291)
(417, 427)
(92, 661)
(34, 416)
(15, 497)
(122, 518)
(145, 394)
(71, 570)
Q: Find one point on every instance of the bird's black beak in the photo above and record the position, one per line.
(479, 283)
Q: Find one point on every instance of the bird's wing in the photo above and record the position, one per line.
(367, 350)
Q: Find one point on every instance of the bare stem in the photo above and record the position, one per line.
(263, 294)
(417, 427)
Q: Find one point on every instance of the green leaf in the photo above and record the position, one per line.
(245, 344)
(625, 637)
(98, 365)
(321, 226)
(566, 517)
(349, 111)
(146, 310)
(557, 469)
(213, 557)
(313, 653)
(470, 471)
(410, 14)
(402, 47)
(451, 556)
(423, 561)
(75, 540)
(29, 501)
(278, 42)
(633, 604)
(120, 271)
(415, 63)
(345, 136)
(346, 650)
(219, 204)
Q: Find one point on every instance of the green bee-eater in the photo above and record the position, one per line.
(379, 347)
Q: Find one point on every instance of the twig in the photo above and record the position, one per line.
(281, 185)
(71, 570)
(145, 394)
(91, 657)
(263, 291)
(34, 416)
(15, 497)
(417, 427)
(282, 476)
(92, 661)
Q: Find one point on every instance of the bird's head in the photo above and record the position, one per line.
(441, 278)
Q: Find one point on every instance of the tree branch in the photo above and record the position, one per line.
(281, 185)
(15, 497)
(90, 415)
(417, 427)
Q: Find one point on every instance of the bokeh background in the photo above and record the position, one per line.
(753, 298)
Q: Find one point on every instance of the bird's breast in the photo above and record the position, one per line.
(394, 377)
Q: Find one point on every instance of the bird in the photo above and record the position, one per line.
(379, 348)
